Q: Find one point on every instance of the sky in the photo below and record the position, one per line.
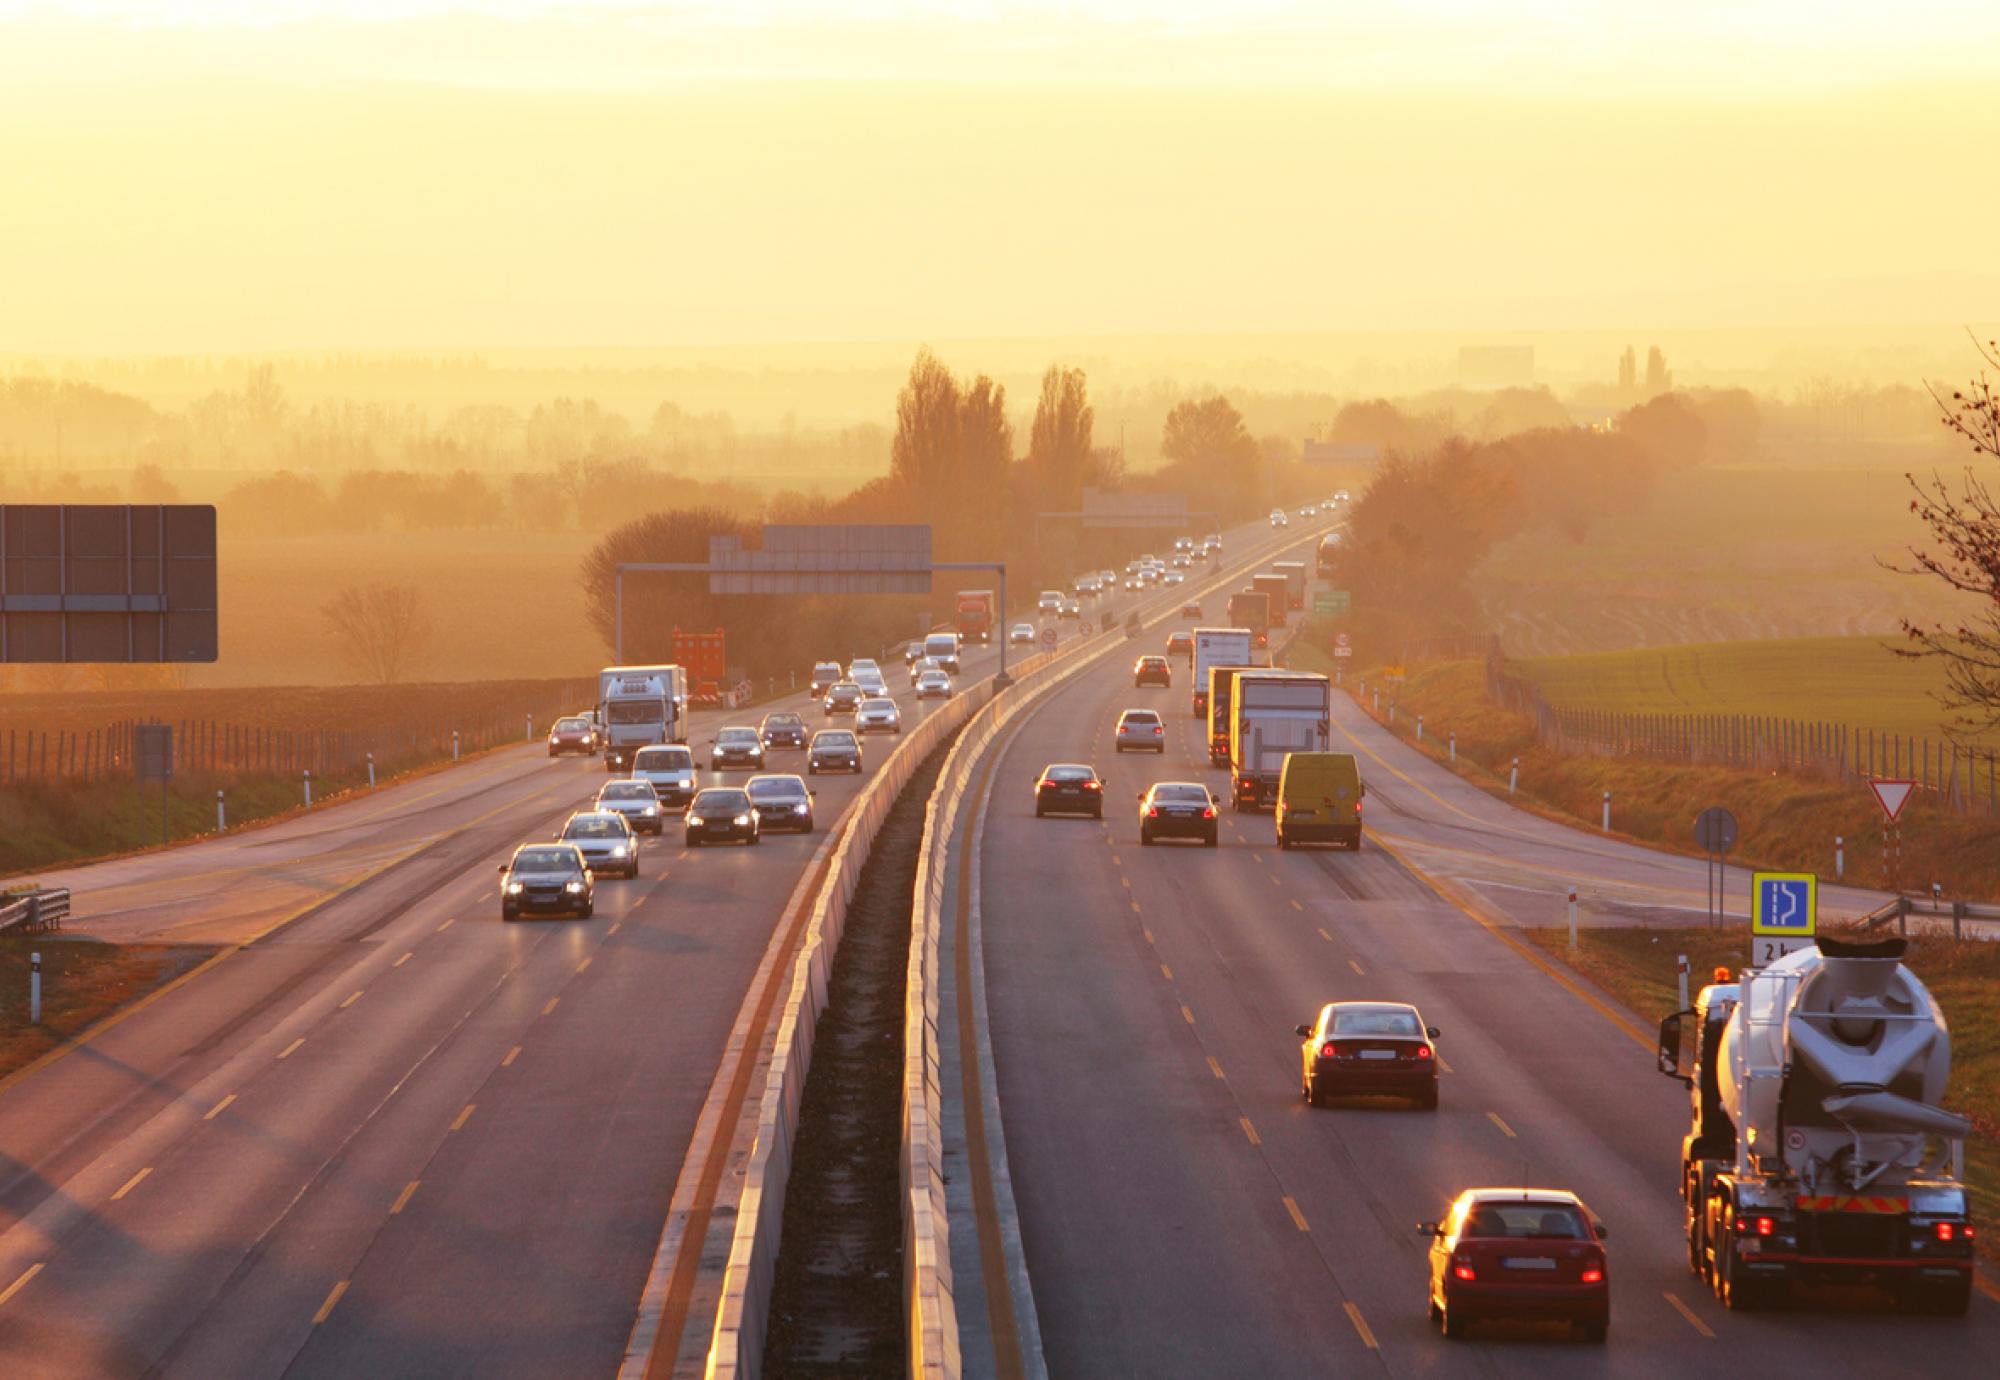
(181, 177)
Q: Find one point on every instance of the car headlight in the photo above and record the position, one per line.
(618, 850)
(649, 809)
(513, 888)
(742, 819)
(695, 821)
(803, 807)
(574, 888)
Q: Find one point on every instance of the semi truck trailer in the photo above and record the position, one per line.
(1216, 647)
(1274, 714)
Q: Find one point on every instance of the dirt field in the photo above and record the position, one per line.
(83, 981)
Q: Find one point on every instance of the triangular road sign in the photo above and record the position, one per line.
(1892, 796)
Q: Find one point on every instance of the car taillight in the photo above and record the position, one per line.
(1153, 812)
(1159, 728)
(1423, 1051)
(1208, 812)
(1462, 1269)
(1947, 1231)
(1765, 1226)
(1593, 1274)
(1093, 785)
(1328, 1050)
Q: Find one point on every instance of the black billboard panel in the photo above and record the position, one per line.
(91, 582)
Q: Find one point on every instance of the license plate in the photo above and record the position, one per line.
(1530, 1262)
(1378, 1054)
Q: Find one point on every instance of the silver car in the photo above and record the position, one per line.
(782, 802)
(669, 769)
(635, 801)
(605, 840)
(1141, 730)
(878, 715)
(871, 682)
(933, 685)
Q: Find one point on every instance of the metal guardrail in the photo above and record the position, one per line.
(1899, 911)
(35, 912)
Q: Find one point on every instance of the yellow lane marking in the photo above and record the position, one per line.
(1361, 1326)
(1256, 857)
(466, 1116)
(551, 1006)
(401, 961)
(446, 925)
(352, 998)
(1324, 935)
(1686, 1312)
(1148, 933)
(1187, 1015)
(1166, 972)
(132, 1183)
(1214, 1067)
(614, 928)
(1249, 1130)
(1505, 1129)
(286, 1052)
(1443, 1067)
(1277, 881)
(1125, 881)
(1298, 1218)
(581, 966)
(21, 1283)
(1117, 861)
(1296, 906)
(1135, 907)
(1359, 971)
(403, 1198)
(216, 1110)
(512, 1055)
(326, 1309)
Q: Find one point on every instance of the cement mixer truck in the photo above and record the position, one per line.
(1818, 1152)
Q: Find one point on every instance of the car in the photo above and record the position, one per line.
(1106, 579)
(871, 682)
(1278, 518)
(1180, 643)
(833, 749)
(1152, 670)
(635, 801)
(1021, 635)
(860, 664)
(844, 697)
(721, 814)
(1319, 799)
(1340, 496)
(551, 878)
(917, 669)
(783, 802)
(736, 746)
(576, 735)
(878, 714)
(1309, 511)
(825, 675)
(945, 646)
(1173, 577)
(669, 769)
(1070, 609)
(1518, 1253)
(1213, 541)
(1177, 810)
(1069, 788)
(933, 685)
(1181, 560)
(1050, 601)
(1140, 730)
(1201, 553)
(1191, 611)
(913, 653)
(1134, 584)
(783, 729)
(1369, 1048)
(605, 840)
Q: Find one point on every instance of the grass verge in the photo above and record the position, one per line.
(83, 981)
(1638, 967)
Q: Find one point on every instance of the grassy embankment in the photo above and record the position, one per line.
(1637, 966)
(82, 983)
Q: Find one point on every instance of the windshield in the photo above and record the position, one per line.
(737, 735)
(833, 738)
(782, 721)
(595, 828)
(626, 790)
(664, 759)
(633, 711)
(1546, 1221)
(1071, 774)
(721, 802)
(1195, 795)
(544, 860)
(1376, 1023)
(769, 788)
(571, 725)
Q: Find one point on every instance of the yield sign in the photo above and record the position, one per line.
(1891, 796)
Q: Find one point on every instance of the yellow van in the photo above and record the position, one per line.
(1319, 799)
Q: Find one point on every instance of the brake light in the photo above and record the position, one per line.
(1208, 812)
(1328, 1050)
(1461, 1270)
(1592, 1274)
(1093, 786)
(1765, 1226)
(1152, 812)
(1159, 728)
(1947, 1231)
(1423, 1051)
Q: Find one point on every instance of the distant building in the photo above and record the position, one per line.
(1496, 366)
(1341, 453)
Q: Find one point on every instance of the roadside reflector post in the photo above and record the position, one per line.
(221, 821)
(1683, 981)
(530, 732)
(1392, 711)
(454, 745)
(1420, 728)
(1513, 776)
(1572, 917)
(34, 989)
(371, 771)
(1452, 738)
(1607, 812)
(309, 786)
(1839, 858)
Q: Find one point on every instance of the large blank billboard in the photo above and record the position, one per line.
(99, 582)
(824, 559)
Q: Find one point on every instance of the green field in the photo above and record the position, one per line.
(1847, 680)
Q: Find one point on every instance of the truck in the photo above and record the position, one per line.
(1817, 1151)
(1250, 608)
(1275, 714)
(1328, 555)
(1221, 694)
(976, 612)
(1216, 647)
(1279, 588)
(640, 706)
(1295, 582)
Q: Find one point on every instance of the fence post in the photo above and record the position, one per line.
(1420, 728)
(1682, 979)
(530, 730)
(221, 820)
(1453, 739)
(1513, 776)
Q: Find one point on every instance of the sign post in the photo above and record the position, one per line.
(1342, 648)
(153, 757)
(1715, 834)
(1784, 914)
(1892, 795)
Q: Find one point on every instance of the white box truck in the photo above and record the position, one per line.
(640, 706)
(1275, 714)
(1217, 647)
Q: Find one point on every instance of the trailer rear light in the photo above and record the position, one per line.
(1593, 1275)
(1765, 1226)
(1947, 1231)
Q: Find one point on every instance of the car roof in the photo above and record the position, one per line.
(735, 728)
(1521, 1195)
(1069, 766)
(1178, 785)
(1368, 1006)
(776, 778)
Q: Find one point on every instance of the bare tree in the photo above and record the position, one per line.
(381, 629)
(1059, 443)
(1965, 528)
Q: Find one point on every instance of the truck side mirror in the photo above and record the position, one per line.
(1668, 1059)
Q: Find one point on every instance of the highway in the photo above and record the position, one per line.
(382, 1133)
(1183, 1212)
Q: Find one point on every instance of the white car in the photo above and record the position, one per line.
(605, 840)
(1278, 518)
(1022, 635)
(669, 769)
(878, 714)
(1141, 730)
(871, 682)
(933, 685)
(860, 664)
(923, 664)
(1173, 577)
(1070, 609)
(1134, 583)
(1340, 497)
(1050, 601)
(634, 800)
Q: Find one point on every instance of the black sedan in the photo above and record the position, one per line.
(1369, 1049)
(782, 802)
(785, 730)
(833, 749)
(721, 814)
(842, 698)
(545, 879)
(1069, 788)
(1152, 670)
(742, 748)
(1177, 810)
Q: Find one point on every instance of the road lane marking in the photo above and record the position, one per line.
(1187, 1015)
(1125, 881)
(1249, 1130)
(1359, 971)
(1117, 861)
(512, 1055)
(1296, 906)
(614, 928)
(132, 1183)
(403, 1198)
(1277, 880)
(352, 998)
(1505, 1129)
(286, 1052)
(583, 965)
(1298, 1218)
(21, 1283)
(1443, 1067)
(446, 925)
(551, 1006)
(1214, 1067)
(404, 959)
(1686, 1312)
(1135, 907)
(216, 1110)
(1324, 935)
(1148, 933)
(326, 1309)
(1360, 1326)
(1166, 972)
(1256, 857)
(466, 1116)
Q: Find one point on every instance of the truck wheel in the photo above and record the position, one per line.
(1738, 1294)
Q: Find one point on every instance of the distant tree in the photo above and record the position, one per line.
(151, 485)
(1059, 444)
(1965, 530)
(380, 629)
(986, 440)
(1628, 372)
(1668, 428)
(1209, 432)
(1659, 378)
(924, 456)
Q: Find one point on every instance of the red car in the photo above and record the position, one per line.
(1180, 644)
(574, 735)
(1535, 1254)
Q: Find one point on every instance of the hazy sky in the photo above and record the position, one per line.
(274, 174)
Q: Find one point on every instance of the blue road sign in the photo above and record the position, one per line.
(1784, 904)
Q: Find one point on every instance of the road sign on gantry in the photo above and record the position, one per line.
(1784, 913)
(1892, 796)
(101, 582)
(825, 559)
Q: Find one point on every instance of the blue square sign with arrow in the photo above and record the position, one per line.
(1784, 903)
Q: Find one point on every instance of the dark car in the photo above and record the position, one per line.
(545, 879)
(576, 735)
(1533, 1254)
(1069, 788)
(738, 747)
(721, 814)
(844, 697)
(1191, 611)
(1180, 644)
(825, 674)
(1152, 670)
(1177, 810)
(833, 749)
(784, 730)
(782, 802)
(1370, 1049)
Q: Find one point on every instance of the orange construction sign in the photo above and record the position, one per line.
(1847, 1202)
